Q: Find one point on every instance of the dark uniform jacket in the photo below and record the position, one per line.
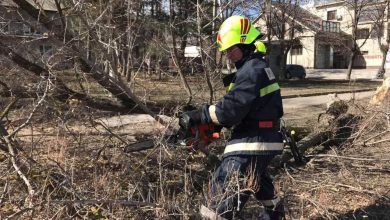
(253, 107)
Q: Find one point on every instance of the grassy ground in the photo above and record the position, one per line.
(89, 166)
(172, 91)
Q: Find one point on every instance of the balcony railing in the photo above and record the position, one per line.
(330, 26)
(325, 2)
(16, 28)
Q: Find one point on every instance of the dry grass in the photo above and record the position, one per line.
(345, 182)
(86, 174)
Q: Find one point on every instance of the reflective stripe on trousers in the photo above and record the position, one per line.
(259, 146)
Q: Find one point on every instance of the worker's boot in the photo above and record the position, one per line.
(273, 212)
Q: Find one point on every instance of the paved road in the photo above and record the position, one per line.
(341, 73)
(303, 111)
(303, 102)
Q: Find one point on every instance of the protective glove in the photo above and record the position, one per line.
(190, 119)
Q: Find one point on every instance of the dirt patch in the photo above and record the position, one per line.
(79, 174)
(347, 181)
(172, 92)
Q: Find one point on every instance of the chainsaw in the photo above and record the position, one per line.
(198, 137)
(289, 142)
(195, 138)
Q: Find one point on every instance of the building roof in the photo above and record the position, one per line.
(310, 20)
(306, 18)
(47, 5)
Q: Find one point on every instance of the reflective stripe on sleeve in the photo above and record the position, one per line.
(213, 114)
(269, 89)
(259, 146)
(231, 85)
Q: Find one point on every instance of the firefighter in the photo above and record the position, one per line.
(260, 47)
(252, 108)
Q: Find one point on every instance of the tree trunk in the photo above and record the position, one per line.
(283, 59)
(205, 64)
(61, 92)
(350, 64)
(95, 70)
(158, 68)
(174, 55)
(381, 69)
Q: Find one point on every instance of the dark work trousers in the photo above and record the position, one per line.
(236, 179)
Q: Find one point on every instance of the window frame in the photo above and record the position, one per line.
(5, 25)
(331, 15)
(296, 50)
(362, 36)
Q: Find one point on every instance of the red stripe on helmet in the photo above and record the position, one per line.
(244, 25)
(248, 27)
(219, 39)
(246, 22)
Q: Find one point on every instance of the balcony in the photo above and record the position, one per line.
(330, 26)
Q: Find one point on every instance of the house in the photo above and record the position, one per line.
(324, 30)
(27, 37)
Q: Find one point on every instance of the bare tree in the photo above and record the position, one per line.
(382, 36)
(360, 10)
(178, 15)
(281, 23)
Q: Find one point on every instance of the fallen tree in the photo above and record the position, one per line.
(338, 127)
(114, 85)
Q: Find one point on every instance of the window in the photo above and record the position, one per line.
(4, 27)
(17, 28)
(45, 49)
(331, 15)
(296, 50)
(27, 29)
(377, 31)
(362, 33)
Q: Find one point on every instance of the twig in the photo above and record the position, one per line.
(4, 191)
(321, 211)
(348, 158)
(8, 108)
(384, 132)
(288, 174)
(377, 142)
(108, 201)
(30, 189)
(18, 213)
(33, 111)
(359, 190)
(363, 128)
(109, 131)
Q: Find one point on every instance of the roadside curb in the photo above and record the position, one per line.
(324, 93)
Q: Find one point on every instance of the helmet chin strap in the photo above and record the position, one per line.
(247, 50)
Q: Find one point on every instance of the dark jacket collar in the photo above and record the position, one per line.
(241, 62)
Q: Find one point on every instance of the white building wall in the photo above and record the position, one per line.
(371, 56)
(306, 59)
(371, 52)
